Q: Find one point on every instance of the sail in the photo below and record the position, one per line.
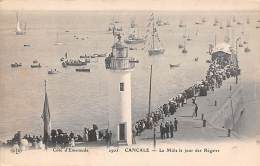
(18, 26)
(46, 120)
(152, 36)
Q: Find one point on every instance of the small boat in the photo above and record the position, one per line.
(132, 48)
(180, 46)
(184, 51)
(238, 23)
(220, 26)
(82, 70)
(16, 64)
(228, 24)
(247, 49)
(134, 61)
(176, 65)
(248, 21)
(58, 42)
(27, 45)
(181, 25)
(74, 63)
(188, 38)
(36, 65)
(100, 55)
(257, 27)
(203, 20)
(52, 71)
(215, 22)
(67, 31)
(84, 56)
(35, 61)
(159, 22)
(196, 59)
(245, 42)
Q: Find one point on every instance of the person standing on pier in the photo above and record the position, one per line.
(167, 127)
(175, 124)
(171, 129)
(196, 110)
(162, 131)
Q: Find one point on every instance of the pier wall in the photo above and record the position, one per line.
(228, 115)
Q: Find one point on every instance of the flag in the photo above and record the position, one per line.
(46, 120)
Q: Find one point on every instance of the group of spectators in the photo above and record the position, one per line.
(219, 70)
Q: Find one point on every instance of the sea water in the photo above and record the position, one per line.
(78, 100)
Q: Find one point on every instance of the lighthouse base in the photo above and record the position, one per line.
(120, 122)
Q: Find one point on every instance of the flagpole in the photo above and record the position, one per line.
(45, 86)
(46, 139)
(45, 133)
(150, 91)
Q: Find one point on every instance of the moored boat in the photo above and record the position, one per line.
(51, 71)
(174, 65)
(74, 63)
(82, 70)
(16, 64)
(155, 47)
(36, 65)
(247, 49)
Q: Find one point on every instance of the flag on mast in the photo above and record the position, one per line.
(46, 116)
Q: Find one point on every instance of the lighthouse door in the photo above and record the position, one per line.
(122, 128)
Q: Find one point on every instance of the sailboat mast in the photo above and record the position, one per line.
(153, 33)
(150, 90)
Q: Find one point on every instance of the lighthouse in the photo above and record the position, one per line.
(120, 66)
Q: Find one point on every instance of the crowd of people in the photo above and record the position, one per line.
(219, 70)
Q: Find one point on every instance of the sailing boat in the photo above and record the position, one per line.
(188, 37)
(154, 49)
(115, 26)
(133, 24)
(215, 22)
(58, 42)
(247, 49)
(160, 22)
(181, 25)
(247, 20)
(184, 50)
(220, 27)
(133, 37)
(228, 24)
(19, 30)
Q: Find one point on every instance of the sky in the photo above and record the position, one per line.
(130, 5)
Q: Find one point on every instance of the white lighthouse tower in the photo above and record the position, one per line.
(120, 67)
